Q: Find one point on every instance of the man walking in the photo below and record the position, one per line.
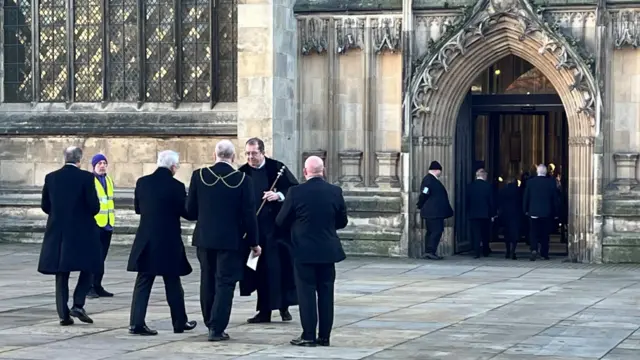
(71, 240)
(510, 216)
(158, 249)
(481, 211)
(221, 200)
(541, 204)
(313, 212)
(434, 209)
(273, 279)
(105, 219)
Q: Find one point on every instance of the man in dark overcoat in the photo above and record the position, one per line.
(434, 209)
(273, 279)
(510, 215)
(481, 211)
(158, 249)
(541, 204)
(221, 200)
(71, 239)
(312, 213)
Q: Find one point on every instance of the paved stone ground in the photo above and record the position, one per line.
(457, 309)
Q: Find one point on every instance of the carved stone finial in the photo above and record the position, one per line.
(387, 34)
(627, 29)
(626, 166)
(349, 34)
(314, 35)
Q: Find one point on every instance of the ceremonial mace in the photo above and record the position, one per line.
(264, 201)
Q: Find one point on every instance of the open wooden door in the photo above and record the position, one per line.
(464, 174)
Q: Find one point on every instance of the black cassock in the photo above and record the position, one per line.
(274, 275)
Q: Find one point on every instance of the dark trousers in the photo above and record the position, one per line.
(105, 242)
(435, 228)
(175, 299)
(79, 294)
(511, 234)
(312, 280)
(540, 228)
(220, 270)
(480, 234)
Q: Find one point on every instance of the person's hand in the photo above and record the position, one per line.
(257, 250)
(270, 196)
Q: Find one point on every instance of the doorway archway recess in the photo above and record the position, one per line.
(491, 30)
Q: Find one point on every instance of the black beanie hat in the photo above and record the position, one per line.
(435, 166)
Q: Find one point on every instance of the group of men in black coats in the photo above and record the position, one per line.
(259, 209)
(538, 200)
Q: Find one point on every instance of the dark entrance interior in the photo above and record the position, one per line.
(511, 120)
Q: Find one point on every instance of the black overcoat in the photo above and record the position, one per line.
(71, 239)
(275, 266)
(158, 248)
(434, 199)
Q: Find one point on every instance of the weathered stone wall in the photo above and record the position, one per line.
(621, 202)
(350, 113)
(24, 161)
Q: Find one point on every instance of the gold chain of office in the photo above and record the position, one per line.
(221, 178)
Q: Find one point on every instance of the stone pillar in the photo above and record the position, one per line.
(350, 168)
(626, 167)
(267, 43)
(387, 169)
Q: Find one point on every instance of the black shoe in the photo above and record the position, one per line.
(79, 313)
(101, 292)
(302, 342)
(92, 294)
(189, 325)
(66, 322)
(142, 330)
(507, 255)
(534, 255)
(286, 315)
(432, 256)
(323, 341)
(218, 337)
(258, 319)
(514, 257)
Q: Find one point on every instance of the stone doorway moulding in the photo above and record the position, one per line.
(491, 30)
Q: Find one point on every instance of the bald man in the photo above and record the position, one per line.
(313, 211)
(222, 202)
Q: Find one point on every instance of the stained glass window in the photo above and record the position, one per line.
(88, 50)
(227, 49)
(17, 51)
(196, 52)
(53, 51)
(161, 57)
(123, 52)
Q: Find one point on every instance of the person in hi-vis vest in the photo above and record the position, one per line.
(105, 218)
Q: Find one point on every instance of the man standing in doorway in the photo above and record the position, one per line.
(481, 211)
(434, 209)
(273, 278)
(541, 204)
(105, 219)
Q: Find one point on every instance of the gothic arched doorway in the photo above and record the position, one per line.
(436, 100)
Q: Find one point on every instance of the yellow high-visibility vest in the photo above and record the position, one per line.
(107, 213)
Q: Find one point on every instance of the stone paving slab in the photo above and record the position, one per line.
(455, 309)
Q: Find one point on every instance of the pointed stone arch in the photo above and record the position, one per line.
(492, 30)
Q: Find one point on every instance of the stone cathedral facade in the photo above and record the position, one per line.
(378, 89)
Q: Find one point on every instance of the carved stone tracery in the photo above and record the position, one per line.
(626, 28)
(349, 34)
(314, 35)
(477, 25)
(386, 34)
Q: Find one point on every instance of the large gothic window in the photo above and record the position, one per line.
(120, 51)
